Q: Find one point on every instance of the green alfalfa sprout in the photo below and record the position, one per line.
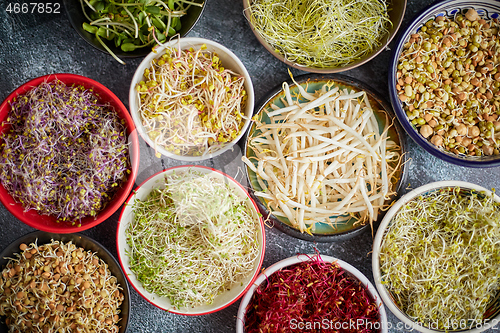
(321, 33)
(192, 240)
(440, 257)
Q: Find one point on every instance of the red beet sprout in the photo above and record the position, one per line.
(313, 296)
(65, 154)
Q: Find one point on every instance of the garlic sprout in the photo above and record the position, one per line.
(322, 158)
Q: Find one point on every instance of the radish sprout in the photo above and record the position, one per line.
(192, 240)
(440, 257)
(323, 155)
(189, 103)
(65, 154)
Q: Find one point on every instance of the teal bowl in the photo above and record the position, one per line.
(323, 232)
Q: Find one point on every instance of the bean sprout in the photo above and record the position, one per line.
(323, 155)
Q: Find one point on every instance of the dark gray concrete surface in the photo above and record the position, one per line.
(34, 45)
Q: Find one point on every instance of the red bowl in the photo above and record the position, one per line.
(49, 223)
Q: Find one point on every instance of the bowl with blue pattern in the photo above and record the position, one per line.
(444, 81)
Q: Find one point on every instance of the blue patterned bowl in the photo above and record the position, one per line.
(449, 8)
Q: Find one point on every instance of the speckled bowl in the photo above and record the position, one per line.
(324, 232)
(447, 8)
(492, 313)
(79, 240)
(396, 13)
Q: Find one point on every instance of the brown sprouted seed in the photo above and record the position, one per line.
(31, 310)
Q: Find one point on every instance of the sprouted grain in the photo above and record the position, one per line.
(192, 240)
(58, 287)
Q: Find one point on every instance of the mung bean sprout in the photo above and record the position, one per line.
(189, 103)
(134, 24)
(323, 155)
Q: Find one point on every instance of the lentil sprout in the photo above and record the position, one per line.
(440, 257)
(65, 154)
(449, 83)
(58, 287)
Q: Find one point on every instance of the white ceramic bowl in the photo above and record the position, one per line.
(240, 321)
(409, 324)
(223, 300)
(228, 59)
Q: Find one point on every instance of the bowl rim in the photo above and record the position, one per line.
(138, 53)
(262, 247)
(385, 41)
(384, 106)
(186, 42)
(304, 258)
(116, 202)
(109, 260)
(402, 36)
(377, 242)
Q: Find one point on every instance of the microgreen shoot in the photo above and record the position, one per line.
(134, 24)
(65, 154)
(312, 291)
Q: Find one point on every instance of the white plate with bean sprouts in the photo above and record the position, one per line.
(191, 240)
(191, 99)
(324, 157)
